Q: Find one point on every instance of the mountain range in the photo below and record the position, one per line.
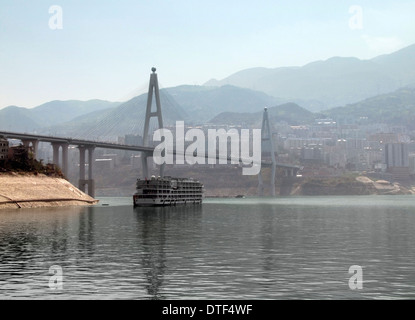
(287, 112)
(225, 105)
(192, 104)
(331, 83)
(349, 84)
(19, 119)
(396, 108)
(106, 120)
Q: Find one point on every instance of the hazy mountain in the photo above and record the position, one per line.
(193, 104)
(401, 65)
(288, 112)
(127, 118)
(61, 111)
(70, 128)
(17, 119)
(48, 114)
(334, 82)
(202, 103)
(396, 108)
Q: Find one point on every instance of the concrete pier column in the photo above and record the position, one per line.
(267, 143)
(90, 162)
(81, 183)
(56, 147)
(91, 188)
(35, 148)
(145, 165)
(81, 163)
(65, 162)
(260, 185)
(91, 182)
(153, 88)
(35, 144)
(162, 169)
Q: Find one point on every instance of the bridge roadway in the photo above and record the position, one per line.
(78, 142)
(88, 145)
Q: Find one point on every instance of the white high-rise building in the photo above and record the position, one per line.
(396, 155)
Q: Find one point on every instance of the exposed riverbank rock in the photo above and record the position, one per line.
(360, 185)
(384, 187)
(32, 191)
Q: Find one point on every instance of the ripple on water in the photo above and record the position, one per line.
(285, 248)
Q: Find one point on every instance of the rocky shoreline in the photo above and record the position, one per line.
(359, 185)
(31, 190)
(27, 190)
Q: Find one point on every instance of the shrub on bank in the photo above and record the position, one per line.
(22, 162)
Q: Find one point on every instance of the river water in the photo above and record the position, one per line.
(253, 248)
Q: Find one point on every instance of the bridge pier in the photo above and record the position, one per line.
(65, 146)
(267, 139)
(144, 164)
(90, 181)
(64, 143)
(291, 172)
(35, 145)
(153, 88)
(56, 153)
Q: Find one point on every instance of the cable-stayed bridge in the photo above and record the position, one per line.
(145, 121)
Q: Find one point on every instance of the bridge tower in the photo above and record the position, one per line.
(153, 89)
(267, 141)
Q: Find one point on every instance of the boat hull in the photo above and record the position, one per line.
(163, 203)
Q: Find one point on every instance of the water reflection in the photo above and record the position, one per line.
(59, 237)
(31, 240)
(269, 234)
(16, 247)
(154, 232)
(86, 233)
(239, 249)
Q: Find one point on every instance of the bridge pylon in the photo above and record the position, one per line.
(153, 89)
(267, 141)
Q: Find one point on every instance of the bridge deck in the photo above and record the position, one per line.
(108, 145)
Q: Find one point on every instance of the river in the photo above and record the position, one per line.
(253, 248)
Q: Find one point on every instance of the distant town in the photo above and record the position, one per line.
(324, 149)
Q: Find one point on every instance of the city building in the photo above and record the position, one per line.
(397, 162)
(396, 155)
(4, 148)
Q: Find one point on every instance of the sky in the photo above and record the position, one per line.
(105, 49)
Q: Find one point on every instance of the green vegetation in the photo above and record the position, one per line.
(344, 185)
(288, 112)
(396, 108)
(22, 162)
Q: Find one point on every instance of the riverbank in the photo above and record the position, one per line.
(360, 185)
(26, 190)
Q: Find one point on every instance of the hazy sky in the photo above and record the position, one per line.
(105, 49)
